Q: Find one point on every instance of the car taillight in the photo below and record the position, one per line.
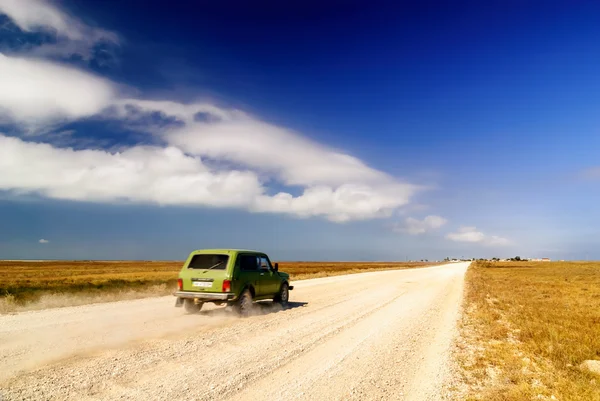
(226, 286)
(180, 284)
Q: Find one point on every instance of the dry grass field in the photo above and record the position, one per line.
(95, 281)
(25, 279)
(526, 329)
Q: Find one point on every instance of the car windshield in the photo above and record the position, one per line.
(207, 261)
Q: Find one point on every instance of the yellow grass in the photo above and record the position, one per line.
(24, 282)
(527, 327)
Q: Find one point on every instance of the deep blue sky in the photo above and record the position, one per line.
(494, 106)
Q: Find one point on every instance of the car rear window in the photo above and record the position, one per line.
(206, 261)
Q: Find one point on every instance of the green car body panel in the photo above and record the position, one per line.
(221, 275)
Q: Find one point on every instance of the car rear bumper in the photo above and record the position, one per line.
(206, 296)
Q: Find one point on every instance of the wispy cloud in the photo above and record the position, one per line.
(170, 176)
(472, 235)
(414, 226)
(143, 174)
(36, 93)
(43, 241)
(72, 36)
(592, 173)
(191, 166)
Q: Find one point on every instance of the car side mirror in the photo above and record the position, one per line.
(276, 268)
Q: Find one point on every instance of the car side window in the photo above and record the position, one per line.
(248, 263)
(264, 263)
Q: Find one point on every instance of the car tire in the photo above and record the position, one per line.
(191, 306)
(284, 295)
(245, 303)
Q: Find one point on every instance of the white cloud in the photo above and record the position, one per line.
(414, 226)
(470, 234)
(35, 92)
(142, 174)
(467, 234)
(344, 203)
(495, 240)
(213, 156)
(43, 241)
(235, 136)
(72, 35)
(33, 15)
(335, 184)
(167, 176)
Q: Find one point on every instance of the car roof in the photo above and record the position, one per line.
(218, 251)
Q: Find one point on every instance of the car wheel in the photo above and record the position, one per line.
(191, 306)
(284, 294)
(245, 303)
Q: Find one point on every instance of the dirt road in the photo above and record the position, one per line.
(378, 335)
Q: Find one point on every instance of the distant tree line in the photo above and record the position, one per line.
(515, 259)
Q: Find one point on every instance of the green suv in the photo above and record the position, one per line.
(230, 276)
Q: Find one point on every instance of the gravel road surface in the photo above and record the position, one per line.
(377, 335)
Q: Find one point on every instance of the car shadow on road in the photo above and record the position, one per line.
(270, 307)
(260, 308)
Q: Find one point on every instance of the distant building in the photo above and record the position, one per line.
(545, 259)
